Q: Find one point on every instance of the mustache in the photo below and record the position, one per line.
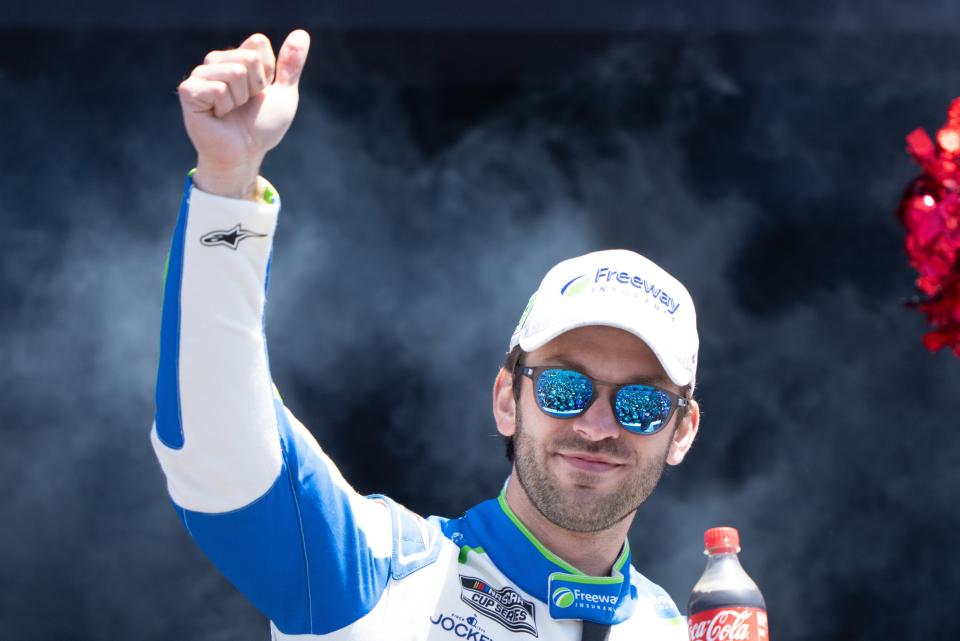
(569, 441)
(611, 447)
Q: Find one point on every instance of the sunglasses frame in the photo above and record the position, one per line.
(533, 373)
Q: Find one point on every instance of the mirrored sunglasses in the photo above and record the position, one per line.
(562, 392)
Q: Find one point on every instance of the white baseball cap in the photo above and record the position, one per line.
(616, 288)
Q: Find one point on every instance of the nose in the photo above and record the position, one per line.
(598, 422)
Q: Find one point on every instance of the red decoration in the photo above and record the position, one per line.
(930, 210)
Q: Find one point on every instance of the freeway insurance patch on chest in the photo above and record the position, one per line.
(503, 605)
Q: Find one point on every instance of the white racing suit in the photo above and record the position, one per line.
(272, 512)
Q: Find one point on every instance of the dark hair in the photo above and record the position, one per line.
(510, 362)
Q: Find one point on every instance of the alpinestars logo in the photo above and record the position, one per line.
(504, 605)
(231, 237)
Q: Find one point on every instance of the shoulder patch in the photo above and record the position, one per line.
(416, 541)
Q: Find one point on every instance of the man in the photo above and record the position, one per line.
(594, 399)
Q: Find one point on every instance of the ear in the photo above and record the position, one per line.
(504, 407)
(684, 434)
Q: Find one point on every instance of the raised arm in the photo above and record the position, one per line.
(214, 381)
(249, 482)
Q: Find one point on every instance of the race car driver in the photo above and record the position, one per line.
(594, 398)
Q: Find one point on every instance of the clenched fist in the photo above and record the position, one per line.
(237, 106)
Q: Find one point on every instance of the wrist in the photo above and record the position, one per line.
(231, 182)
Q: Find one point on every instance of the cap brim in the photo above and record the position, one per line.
(671, 365)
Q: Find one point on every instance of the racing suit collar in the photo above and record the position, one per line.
(569, 593)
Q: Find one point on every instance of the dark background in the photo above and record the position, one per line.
(444, 157)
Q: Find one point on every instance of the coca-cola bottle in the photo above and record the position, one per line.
(725, 604)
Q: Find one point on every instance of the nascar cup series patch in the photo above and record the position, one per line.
(503, 605)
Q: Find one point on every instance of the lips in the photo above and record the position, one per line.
(589, 462)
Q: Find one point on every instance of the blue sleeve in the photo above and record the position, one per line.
(250, 483)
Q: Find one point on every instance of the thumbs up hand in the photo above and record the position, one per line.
(237, 106)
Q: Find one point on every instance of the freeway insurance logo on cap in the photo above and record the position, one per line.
(575, 286)
(622, 282)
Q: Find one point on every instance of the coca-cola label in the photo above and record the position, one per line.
(731, 623)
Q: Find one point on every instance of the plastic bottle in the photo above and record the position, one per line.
(725, 604)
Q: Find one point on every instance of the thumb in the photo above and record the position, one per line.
(293, 55)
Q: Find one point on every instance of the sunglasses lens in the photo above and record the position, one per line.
(562, 392)
(642, 409)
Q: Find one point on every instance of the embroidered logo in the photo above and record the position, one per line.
(231, 237)
(464, 627)
(563, 597)
(503, 605)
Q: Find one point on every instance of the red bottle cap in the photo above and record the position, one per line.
(718, 540)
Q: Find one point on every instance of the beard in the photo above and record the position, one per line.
(584, 509)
